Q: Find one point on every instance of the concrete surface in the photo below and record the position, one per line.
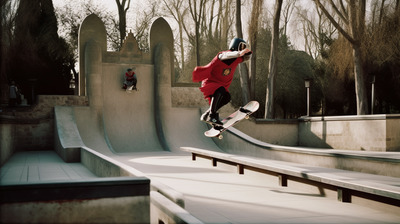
(25, 167)
(125, 126)
(220, 195)
(212, 194)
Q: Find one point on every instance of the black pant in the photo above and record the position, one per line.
(219, 99)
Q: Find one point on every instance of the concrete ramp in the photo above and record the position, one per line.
(121, 122)
(125, 122)
(142, 121)
(129, 117)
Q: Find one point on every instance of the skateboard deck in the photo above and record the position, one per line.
(243, 113)
(130, 88)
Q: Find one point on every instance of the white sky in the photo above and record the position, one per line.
(137, 4)
(111, 4)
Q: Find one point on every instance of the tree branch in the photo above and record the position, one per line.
(338, 27)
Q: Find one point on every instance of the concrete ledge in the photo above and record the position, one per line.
(74, 189)
(168, 192)
(352, 117)
(380, 132)
(67, 139)
(164, 211)
(346, 183)
(104, 166)
(380, 163)
(277, 131)
(70, 147)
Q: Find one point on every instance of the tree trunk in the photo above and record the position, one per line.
(122, 18)
(253, 31)
(243, 70)
(356, 22)
(273, 63)
(196, 15)
(361, 90)
(197, 44)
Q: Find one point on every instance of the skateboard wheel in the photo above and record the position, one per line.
(247, 117)
(220, 137)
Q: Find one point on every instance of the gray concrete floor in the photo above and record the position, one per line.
(220, 195)
(31, 166)
(212, 194)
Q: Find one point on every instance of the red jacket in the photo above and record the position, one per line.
(130, 77)
(216, 74)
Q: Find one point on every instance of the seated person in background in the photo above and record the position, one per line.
(130, 79)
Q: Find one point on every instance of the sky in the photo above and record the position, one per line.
(136, 4)
(111, 5)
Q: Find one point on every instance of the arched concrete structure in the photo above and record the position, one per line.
(143, 121)
(92, 28)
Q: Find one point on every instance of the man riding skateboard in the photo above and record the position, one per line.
(217, 76)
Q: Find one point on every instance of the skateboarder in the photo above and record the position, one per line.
(216, 77)
(130, 79)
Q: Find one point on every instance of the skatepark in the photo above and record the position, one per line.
(149, 137)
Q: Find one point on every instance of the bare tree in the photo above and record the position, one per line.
(123, 7)
(253, 31)
(287, 11)
(178, 11)
(197, 13)
(316, 30)
(243, 70)
(352, 27)
(7, 10)
(143, 22)
(214, 20)
(273, 63)
(227, 21)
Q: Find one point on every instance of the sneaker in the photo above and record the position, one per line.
(214, 120)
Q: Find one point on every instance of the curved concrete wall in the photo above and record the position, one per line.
(92, 28)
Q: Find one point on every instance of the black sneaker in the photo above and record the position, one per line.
(214, 120)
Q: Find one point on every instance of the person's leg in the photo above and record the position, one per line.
(134, 83)
(220, 98)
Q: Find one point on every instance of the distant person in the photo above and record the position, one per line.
(130, 79)
(216, 77)
(14, 94)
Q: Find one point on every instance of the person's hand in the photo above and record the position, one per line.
(245, 51)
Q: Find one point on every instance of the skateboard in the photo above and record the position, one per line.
(130, 88)
(243, 113)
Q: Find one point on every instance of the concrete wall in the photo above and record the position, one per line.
(188, 97)
(366, 133)
(278, 132)
(97, 200)
(361, 133)
(33, 127)
(393, 133)
(104, 210)
(7, 131)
